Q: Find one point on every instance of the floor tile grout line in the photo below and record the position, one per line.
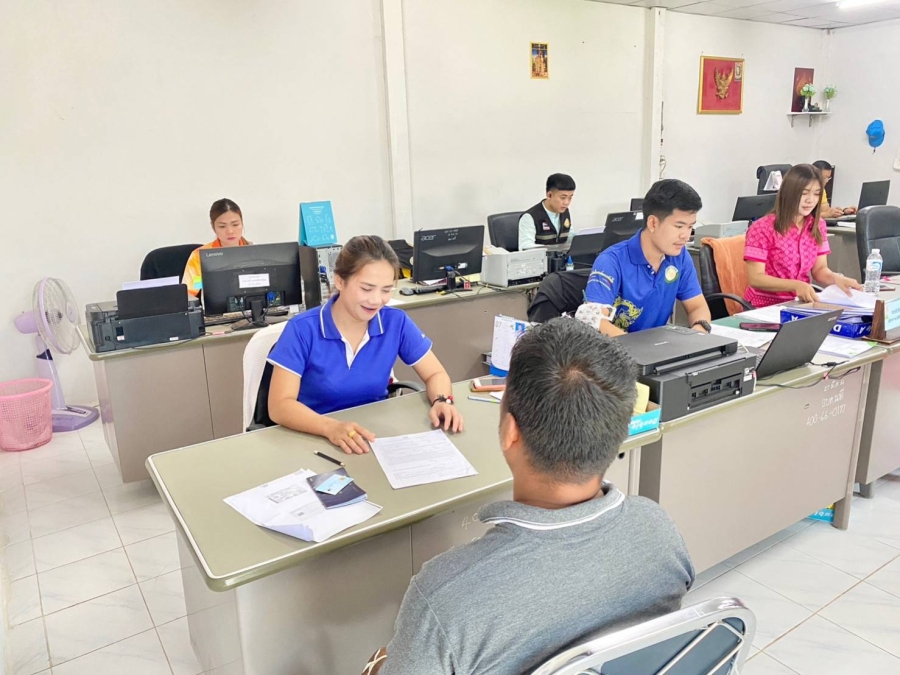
(762, 651)
(844, 628)
(828, 564)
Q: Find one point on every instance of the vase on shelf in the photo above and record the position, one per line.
(828, 105)
(806, 104)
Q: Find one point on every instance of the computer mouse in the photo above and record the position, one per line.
(407, 291)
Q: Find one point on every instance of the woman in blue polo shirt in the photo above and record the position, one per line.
(340, 355)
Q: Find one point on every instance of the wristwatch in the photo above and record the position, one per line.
(443, 399)
(704, 324)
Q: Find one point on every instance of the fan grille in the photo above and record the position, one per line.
(56, 315)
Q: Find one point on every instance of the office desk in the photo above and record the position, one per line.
(843, 257)
(739, 472)
(172, 395)
(879, 452)
(273, 605)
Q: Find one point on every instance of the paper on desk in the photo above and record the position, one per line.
(771, 314)
(857, 300)
(150, 283)
(289, 505)
(393, 302)
(417, 459)
(838, 346)
(497, 395)
(745, 337)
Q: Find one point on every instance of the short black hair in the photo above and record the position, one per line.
(560, 181)
(822, 165)
(665, 196)
(571, 391)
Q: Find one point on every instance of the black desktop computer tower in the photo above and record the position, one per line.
(317, 271)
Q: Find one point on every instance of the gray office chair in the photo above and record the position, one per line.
(503, 229)
(879, 227)
(710, 638)
(762, 173)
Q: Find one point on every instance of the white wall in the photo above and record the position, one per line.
(484, 136)
(862, 63)
(718, 154)
(122, 121)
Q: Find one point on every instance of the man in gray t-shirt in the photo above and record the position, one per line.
(571, 555)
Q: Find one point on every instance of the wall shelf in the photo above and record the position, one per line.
(792, 115)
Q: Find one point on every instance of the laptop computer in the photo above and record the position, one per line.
(874, 193)
(794, 345)
(585, 248)
(656, 348)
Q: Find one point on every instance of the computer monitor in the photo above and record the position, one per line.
(754, 206)
(621, 226)
(450, 252)
(585, 248)
(241, 278)
(874, 193)
(637, 203)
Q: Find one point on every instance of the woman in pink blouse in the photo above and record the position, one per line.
(785, 248)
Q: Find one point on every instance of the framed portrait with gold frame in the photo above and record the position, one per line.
(721, 88)
(539, 61)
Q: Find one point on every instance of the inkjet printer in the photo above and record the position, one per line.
(503, 268)
(144, 316)
(687, 370)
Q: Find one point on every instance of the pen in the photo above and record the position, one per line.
(330, 459)
(483, 399)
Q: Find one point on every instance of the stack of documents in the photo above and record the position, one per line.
(770, 314)
(744, 337)
(290, 506)
(856, 304)
(417, 459)
(838, 346)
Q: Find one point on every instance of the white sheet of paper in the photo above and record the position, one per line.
(418, 459)
(393, 302)
(771, 314)
(290, 506)
(150, 283)
(838, 346)
(497, 395)
(858, 300)
(744, 337)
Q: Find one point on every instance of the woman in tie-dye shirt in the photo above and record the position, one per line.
(227, 223)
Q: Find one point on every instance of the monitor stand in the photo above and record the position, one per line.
(256, 318)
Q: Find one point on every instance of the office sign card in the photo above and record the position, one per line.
(317, 224)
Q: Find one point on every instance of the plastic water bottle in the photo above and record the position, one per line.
(874, 264)
(570, 265)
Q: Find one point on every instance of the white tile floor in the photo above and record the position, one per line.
(91, 577)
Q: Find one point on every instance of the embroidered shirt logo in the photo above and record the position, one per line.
(671, 274)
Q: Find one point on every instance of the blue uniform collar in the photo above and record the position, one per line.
(330, 330)
(636, 253)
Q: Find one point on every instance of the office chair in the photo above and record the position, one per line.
(709, 280)
(762, 173)
(709, 638)
(879, 227)
(168, 261)
(258, 377)
(503, 229)
(558, 293)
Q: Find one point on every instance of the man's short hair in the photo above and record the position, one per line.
(665, 196)
(822, 165)
(560, 181)
(571, 391)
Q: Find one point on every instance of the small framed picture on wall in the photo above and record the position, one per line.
(721, 89)
(540, 67)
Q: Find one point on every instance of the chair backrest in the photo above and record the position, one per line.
(762, 173)
(503, 229)
(558, 293)
(709, 283)
(255, 367)
(723, 272)
(711, 638)
(168, 261)
(879, 227)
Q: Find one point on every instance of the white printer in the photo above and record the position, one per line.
(502, 268)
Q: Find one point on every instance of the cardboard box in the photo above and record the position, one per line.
(848, 327)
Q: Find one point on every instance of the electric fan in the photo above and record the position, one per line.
(54, 322)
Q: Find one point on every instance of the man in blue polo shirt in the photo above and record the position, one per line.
(637, 282)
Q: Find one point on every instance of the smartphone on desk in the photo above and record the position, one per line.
(761, 327)
(488, 384)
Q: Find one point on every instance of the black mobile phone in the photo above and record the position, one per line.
(761, 327)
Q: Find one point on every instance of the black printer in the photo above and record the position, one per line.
(687, 370)
(144, 316)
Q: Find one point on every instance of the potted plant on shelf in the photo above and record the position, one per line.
(830, 92)
(807, 92)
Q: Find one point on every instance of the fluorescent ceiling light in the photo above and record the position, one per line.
(853, 4)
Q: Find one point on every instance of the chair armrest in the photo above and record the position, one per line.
(404, 384)
(729, 296)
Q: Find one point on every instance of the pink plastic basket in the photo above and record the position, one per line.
(26, 418)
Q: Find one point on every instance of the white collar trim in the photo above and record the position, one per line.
(531, 525)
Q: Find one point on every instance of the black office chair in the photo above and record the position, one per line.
(712, 291)
(558, 293)
(879, 227)
(168, 261)
(637, 203)
(503, 229)
(261, 418)
(762, 173)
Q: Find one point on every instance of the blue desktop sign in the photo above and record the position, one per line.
(317, 224)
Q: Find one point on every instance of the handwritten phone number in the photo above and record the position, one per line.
(825, 415)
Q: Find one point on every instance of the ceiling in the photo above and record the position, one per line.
(805, 13)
